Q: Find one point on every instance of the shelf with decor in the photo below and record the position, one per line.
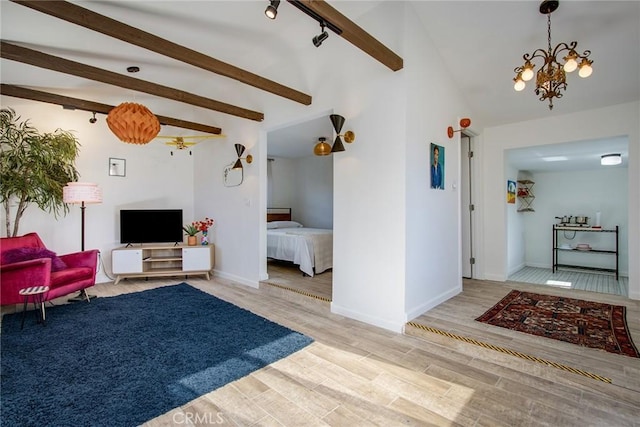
(525, 195)
(557, 248)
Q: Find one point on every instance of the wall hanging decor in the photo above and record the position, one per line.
(437, 166)
(511, 191)
(117, 167)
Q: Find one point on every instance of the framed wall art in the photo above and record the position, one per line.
(511, 191)
(437, 166)
(117, 167)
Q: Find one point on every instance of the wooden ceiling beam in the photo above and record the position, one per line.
(50, 62)
(351, 32)
(94, 107)
(105, 25)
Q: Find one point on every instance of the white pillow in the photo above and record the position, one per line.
(283, 224)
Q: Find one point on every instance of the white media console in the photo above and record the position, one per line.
(161, 260)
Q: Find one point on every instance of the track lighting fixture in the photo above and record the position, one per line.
(93, 119)
(272, 10)
(317, 40)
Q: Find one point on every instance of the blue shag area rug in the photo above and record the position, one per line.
(121, 361)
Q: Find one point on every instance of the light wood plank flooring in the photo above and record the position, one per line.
(359, 375)
(287, 275)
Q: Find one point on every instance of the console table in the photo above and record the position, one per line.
(161, 260)
(556, 250)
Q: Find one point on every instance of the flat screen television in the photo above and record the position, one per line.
(150, 226)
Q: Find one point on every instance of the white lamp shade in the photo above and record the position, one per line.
(78, 192)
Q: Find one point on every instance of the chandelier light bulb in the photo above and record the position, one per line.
(519, 85)
(585, 68)
(527, 72)
(571, 64)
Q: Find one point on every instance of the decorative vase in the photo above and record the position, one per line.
(205, 238)
(192, 240)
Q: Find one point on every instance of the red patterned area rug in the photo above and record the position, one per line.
(585, 323)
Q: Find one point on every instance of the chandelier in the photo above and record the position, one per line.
(551, 78)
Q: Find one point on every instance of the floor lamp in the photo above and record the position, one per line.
(82, 193)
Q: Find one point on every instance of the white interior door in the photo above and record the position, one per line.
(467, 206)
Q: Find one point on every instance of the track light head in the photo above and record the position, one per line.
(272, 10)
(93, 119)
(317, 40)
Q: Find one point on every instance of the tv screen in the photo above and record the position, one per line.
(151, 226)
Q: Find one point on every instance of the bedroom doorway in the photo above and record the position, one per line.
(302, 183)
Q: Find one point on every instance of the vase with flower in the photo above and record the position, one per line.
(204, 226)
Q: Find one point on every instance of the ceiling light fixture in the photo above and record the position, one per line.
(322, 148)
(317, 40)
(611, 159)
(133, 123)
(551, 77)
(272, 10)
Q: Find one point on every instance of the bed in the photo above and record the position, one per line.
(309, 248)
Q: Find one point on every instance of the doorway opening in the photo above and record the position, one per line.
(466, 189)
(301, 184)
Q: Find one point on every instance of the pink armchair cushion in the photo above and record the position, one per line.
(26, 254)
(71, 275)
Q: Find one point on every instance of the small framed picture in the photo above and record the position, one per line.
(511, 191)
(117, 167)
(436, 157)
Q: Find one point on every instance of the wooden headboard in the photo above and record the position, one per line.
(278, 214)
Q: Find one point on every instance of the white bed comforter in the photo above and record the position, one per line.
(310, 248)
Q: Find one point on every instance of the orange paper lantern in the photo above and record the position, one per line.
(133, 123)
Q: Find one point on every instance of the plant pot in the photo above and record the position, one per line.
(192, 240)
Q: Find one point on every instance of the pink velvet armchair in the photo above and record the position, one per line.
(63, 274)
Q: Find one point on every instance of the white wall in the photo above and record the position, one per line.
(154, 180)
(433, 272)
(281, 183)
(582, 193)
(516, 248)
(618, 120)
(306, 186)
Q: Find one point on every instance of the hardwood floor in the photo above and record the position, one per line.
(286, 275)
(359, 375)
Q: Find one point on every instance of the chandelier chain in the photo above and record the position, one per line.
(549, 31)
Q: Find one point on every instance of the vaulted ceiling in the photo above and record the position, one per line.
(481, 42)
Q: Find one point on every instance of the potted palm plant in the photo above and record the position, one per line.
(191, 230)
(34, 167)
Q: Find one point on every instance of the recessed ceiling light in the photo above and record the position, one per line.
(133, 69)
(610, 159)
(555, 159)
